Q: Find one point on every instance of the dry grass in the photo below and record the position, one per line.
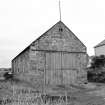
(83, 95)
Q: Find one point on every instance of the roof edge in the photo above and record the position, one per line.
(98, 45)
(36, 40)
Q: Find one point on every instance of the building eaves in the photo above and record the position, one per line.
(100, 44)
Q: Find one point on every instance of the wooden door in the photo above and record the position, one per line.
(69, 67)
(53, 68)
(61, 68)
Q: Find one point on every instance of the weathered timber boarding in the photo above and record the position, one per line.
(57, 57)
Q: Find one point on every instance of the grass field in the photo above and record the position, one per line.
(89, 94)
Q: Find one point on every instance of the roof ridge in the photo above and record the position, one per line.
(100, 44)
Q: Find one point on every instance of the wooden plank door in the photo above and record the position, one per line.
(61, 68)
(53, 68)
(69, 67)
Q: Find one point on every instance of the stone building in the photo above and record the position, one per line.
(100, 48)
(57, 57)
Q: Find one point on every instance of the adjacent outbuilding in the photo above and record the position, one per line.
(100, 48)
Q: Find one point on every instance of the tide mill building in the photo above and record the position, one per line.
(57, 57)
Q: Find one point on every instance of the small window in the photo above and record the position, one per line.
(60, 29)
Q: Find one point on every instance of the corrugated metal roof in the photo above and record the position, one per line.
(100, 44)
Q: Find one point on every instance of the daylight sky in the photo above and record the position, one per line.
(22, 21)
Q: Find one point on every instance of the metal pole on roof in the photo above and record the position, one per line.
(60, 9)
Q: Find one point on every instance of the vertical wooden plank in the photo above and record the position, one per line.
(57, 67)
(63, 67)
(48, 68)
(53, 64)
(44, 90)
(69, 67)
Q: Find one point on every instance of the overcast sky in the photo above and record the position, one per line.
(22, 21)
